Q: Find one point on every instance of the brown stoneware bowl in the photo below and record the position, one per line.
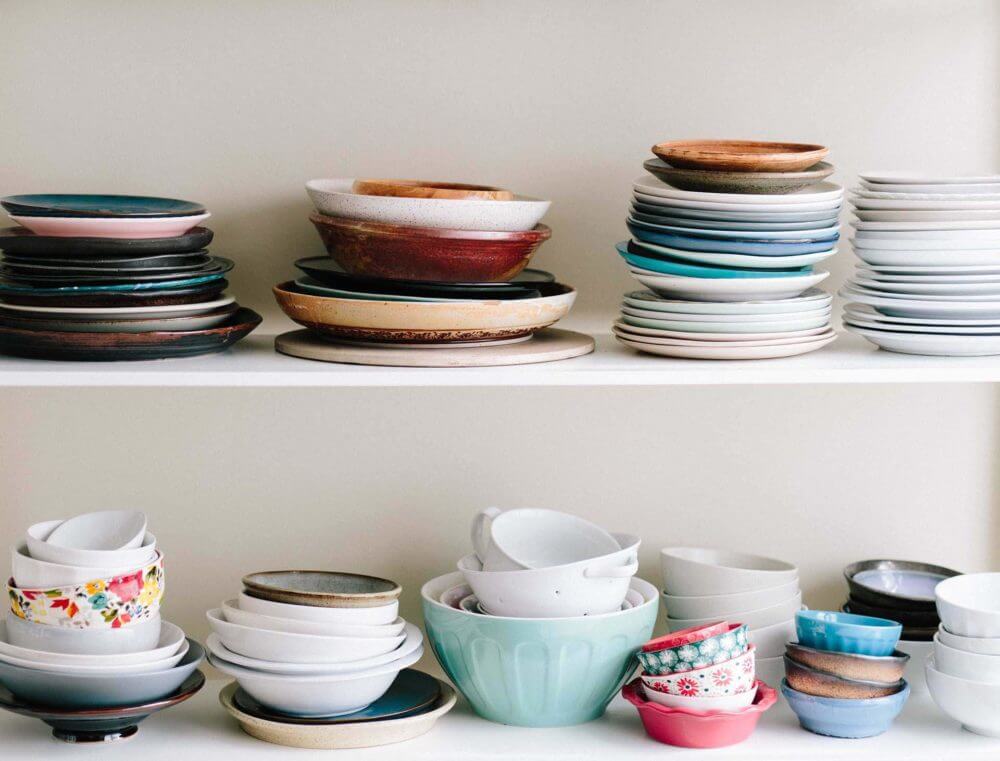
(823, 685)
(322, 589)
(886, 669)
(740, 155)
(398, 252)
(427, 189)
(715, 181)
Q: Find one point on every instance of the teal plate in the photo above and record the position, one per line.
(665, 266)
(162, 285)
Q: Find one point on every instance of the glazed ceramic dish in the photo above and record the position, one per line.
(716, 679)
(237, 615)
(738, 216)
(930, 344)
(121, 313)
(215, 266)
(137, 637)
(896, 583)
(154, 263)
(968, 604)
(977, 667)
(733, 702)
(69, 205)
(658, 215)
(820, 683)
(847, 633)
(27, 572)
(145, 297)
(323, 589)
(980, 645)
(711, 330)
(134, 325)
(704, 606)
(716, 181)
(704, 571)
(658, 262)
(751, 261)
(879, 669)
(770, 642)
(923, 307)
(171, 642)
(836, 717)
(926, 619)
(335, 198)
(754, 619)
(21, 241)
(111, 227)
(810, 300)
(820, 192)
(975, 704)
(740, 155)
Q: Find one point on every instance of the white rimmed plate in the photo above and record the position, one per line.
(910, 178)
(817, 217)
(808, 301)
(762, 326)
(931, 289)
(866, 313)
(653, 314)
(943, 329)
(923, 307)
(778, 236)
(957, 225)
(927, 215)
(860, 192)
(897, 242)
(657, 216)
(111, 227)
(739, 260)
(821, 191)
(886, 204)
(866, 273)
(942, 188)
(931, 343)
(936, 258)
(722, 206)
(931, 271)
(648, 334)
(728, 289)
(729, 351)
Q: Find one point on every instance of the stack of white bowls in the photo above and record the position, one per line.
(929, 282)
(703, 586)
(313, 643)
(963, 675)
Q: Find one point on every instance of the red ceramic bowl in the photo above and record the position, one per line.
(685, 729)
(687, 636)
(424, 253)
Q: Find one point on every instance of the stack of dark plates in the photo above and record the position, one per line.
(109, 277)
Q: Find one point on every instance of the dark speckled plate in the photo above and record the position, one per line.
(150, 298)
(23, 242)
(97, 205)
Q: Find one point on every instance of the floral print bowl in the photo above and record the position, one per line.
(726, 678)
(102, 603)
(695, 648)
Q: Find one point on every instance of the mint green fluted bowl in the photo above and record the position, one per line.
(537, 672)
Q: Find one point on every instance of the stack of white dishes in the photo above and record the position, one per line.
(704, 586)
(929, 281)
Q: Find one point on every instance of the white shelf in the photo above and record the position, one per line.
(201, 729)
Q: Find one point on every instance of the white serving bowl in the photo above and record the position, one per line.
(700, 704)
(770, 640)
(770, 670)
(980, 645)
(39, 548)
(285, 647)
(965, 665)
(136, 637)
(755, 619)
(317, 694)
(969, 605)
(109, 670)
(107, 530)
(375, 616)
(704, 571)
(171, 642)
(975, 704)
(913, 671)
(30, 573)
(236, 615)
(706, 606)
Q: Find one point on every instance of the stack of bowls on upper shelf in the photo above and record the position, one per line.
(698, 687)
(105, 277)
(844, 677)
(725, 236)
(322, 660)
(702, 586)
(84, 648)
(541, 624)
(929, 282)
(426, 274)
(963, 675)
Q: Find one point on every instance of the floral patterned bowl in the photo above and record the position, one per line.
(726, 678)
(102, 603)
(694, 648)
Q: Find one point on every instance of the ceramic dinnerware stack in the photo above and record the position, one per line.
(84, 647)
(540, 625)
(703, 586)
(725, 235)
(99, 277)
(929, 277)
(844, 677)
(963, 674)
(414, 267)
(322, 659)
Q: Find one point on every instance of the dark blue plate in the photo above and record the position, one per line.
(87, 205)
(160, 285)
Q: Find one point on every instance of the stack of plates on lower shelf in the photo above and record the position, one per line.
(725, 236)
(929, 282)
(426, 274)
(97, 277)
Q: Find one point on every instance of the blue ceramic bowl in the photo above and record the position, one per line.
(847, 632)
(651, 234)
(670, 266)
(836, 717)
(537, 672)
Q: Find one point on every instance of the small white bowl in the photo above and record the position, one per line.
(770, 640)
(133, 638)
(319, 694)
(755, 619)
(233, 613)
(975, 704)
(30, 573)
(700, 705)
(703, 571)
(378, 615)
(40, 549)
(285, 647)
(965, 665)
(105, 530)
(171, 642)
(969, 605)
(721, 606)
(980, 645)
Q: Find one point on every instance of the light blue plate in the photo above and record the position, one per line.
(674, 267)
(733, 260)
(719, 224)
(812, 235)
(651, 234)
(158, 285)
(739, 216)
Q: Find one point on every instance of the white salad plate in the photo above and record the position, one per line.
(883, 257)
(923, 307)
(858, 322)
(821, 191)
(653, 314)
(924, 178)
(860, 192)
(738, 260)
(930, 289)
(927, 215)
(729, 351)
(760, 206)
(892, 276)
(956, 188)
(865, 312)
(638, 333)
(902, 242)
(762, 326)
(925, 234)
(728, 289)
(967, 225)
(809, 301)
(955, 204)
(930, 343)
(962, 297)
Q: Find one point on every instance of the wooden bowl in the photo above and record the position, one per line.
(427, 189)
(740, 155)
(398, 252)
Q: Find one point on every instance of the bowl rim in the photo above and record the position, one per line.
(689, 635)
(781, 149)
(157, 561)
(393, 592)
(236, 671)
(725, 596)
(540, 232)
(766, 697)
(316, 185)
(677, 553)
(750, 651)
(876, 564)
(744, 613)
(849, 703)
(233, 602)
(942, 590)
(896, 655)
(195, 655)
(217, 616)
(858, 624)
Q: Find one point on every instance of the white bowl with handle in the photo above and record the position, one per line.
(233, 612)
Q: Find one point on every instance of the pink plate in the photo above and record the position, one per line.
(111, 227)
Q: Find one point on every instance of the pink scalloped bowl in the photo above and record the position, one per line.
(714, 729)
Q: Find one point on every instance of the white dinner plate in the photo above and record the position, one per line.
(929, 215)
(931, 289)
(883, 257)
(809, 301)
(728, 289)
(867, 313)
(822, 215)
(885, 204)
(744, 207)
(930, 235)
(948, 197)
(763, 326)
(707, 350)
(931, 343)
(956, 188)
(738, 260)
(926, 178)
(931, 274)
(923, 307)
(793, 236)
(652, 314)
(904, 242)
(968, 225)
(821, 191)
(720, 224)
(943, 329)
(639, 333)
(924, 296)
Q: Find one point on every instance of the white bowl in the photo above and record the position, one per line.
(770, 670)
(413, 639)
(136, 637)
(40, 549)
(106, 530)
(30, 573)
(975, 704)
(381, 614)
(703, 571)
(236, 615)
(770, 640)
(969, 605)
(981, 645)
(171, 642)
(285, 647)
(700, 704)
(110, 670)
(913, 671)
(961, 663)
(683, 606)
(755, 619)
(317, 694)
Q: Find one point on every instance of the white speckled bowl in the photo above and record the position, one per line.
(335, 198)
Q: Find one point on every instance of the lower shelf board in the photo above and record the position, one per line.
(200, 728)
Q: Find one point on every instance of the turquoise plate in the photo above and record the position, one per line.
(6, 287)
(667, 266)
(90, 205)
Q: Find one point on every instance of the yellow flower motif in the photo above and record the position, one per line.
(95, 586)
(15, 605)
(149, 594)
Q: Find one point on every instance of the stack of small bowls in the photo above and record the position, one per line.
(315, 654)
(844, 677)
(96, 277)
(698, 687)
(725, 236)
(963, 674)
(419, 265)
(84, 648)
(703, 585)
(540, 625)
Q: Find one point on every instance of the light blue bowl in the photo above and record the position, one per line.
(838, 717)
(537, 672)
(691, 242)
(670, 266)
(847, 632)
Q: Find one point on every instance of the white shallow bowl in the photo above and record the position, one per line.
(810, 301)
(631, 319)
(318, 694)
(755, 619)
(30, 573)
(285, 647)
(137, 637)
(759, 210)
(980, 645)
(698, 704)
(374, 616)
(39, 548)
(969, 605)
(335, 198)
(739, 260)
(966, 665)
(681, 337)
(923, 307)
(171, 642)
(727, 289)
(101, 530)
(236, 615)
(706, 606)
(976, 705)
(110, 670)
(881, 257)
(706, 571)
(770, 640)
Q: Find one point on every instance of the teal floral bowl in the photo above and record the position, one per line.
(537, 672)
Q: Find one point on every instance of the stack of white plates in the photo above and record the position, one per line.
(929, 281)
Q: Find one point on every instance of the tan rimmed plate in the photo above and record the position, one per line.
(740, 155)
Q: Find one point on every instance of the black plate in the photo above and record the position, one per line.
(23, 242)
(920, 619)
(87, 266)
(325, 271)
(152, 297)
(215, 266)
(877, 598)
